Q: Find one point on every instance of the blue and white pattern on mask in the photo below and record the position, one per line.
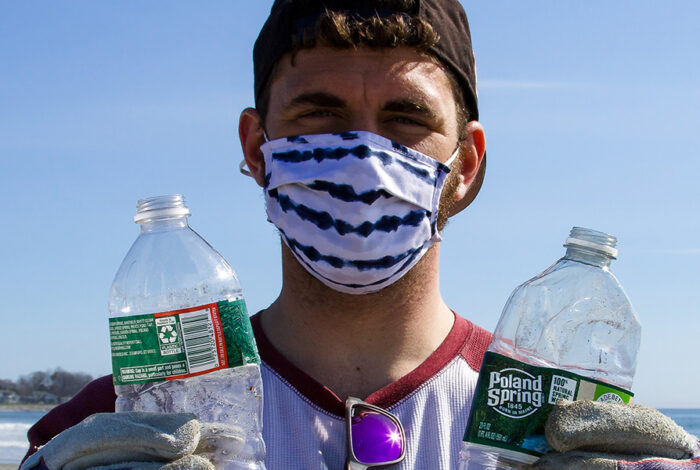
(356, 209)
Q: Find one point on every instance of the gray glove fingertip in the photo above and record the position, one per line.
(616, 428)
(189, 462)
(575, 461)
(104, 439)
(220, 441)
(166, 435)
(129, 466)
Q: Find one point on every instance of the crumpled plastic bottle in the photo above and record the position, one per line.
(181, 336)
(570, 333)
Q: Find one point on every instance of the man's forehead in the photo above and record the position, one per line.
(397, 74)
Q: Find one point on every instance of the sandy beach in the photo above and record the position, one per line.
(25, 407)
(7, 466)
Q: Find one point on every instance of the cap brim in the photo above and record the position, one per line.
(473, 190)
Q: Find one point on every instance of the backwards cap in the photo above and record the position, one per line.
(289, 19)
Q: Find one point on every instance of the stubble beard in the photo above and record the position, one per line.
(447, 200)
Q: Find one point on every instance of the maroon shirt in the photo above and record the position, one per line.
(99, 397)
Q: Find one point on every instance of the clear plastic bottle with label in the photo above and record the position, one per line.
(570, 332)
(181, 337)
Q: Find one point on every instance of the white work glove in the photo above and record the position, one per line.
(137, 441)
(588, 435)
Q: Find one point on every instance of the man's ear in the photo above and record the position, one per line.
(472, 152)
(252, 135)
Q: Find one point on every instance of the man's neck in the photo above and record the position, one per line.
(356, 344)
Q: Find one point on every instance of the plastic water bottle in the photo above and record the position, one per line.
(181, 337)
(568, 333)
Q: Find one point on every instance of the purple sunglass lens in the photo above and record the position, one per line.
(375, 438)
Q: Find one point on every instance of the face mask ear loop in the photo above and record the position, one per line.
(452, 158)
(242, 167)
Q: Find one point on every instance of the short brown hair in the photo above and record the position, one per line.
(345, 31)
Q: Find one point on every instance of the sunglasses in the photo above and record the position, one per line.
(374, 436)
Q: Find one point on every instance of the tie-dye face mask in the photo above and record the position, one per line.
(357, 210)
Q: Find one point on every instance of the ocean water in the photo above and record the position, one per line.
(15, 424)
(689, 419)
(13, 434)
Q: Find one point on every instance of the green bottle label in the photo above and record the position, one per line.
(181, 343)
(512, 401)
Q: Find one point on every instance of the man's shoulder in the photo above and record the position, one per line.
(476, 341)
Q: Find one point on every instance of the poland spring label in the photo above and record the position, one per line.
(512, 401)
(181, 343)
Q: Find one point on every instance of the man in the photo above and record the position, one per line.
(404, 71)
(365, 139)
(399, 347)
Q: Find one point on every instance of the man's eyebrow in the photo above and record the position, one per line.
(408, 106)
(317, 98)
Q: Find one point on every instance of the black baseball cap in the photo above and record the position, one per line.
(289, 19)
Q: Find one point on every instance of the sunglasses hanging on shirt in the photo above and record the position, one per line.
(375, 437)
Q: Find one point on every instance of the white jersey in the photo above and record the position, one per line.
(304, 422)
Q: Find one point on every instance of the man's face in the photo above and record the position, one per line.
(396, 93)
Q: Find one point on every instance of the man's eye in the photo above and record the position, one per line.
(406, 120)
(318, 113)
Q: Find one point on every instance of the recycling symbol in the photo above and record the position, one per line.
(167, 334)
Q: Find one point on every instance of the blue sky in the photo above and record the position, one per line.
(591, 116)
